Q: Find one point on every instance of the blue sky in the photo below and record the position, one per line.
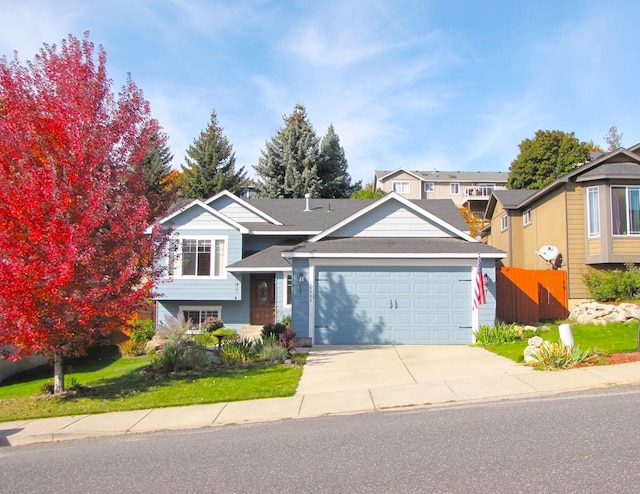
(446, 84)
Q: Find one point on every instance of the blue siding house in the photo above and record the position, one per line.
(387, 271)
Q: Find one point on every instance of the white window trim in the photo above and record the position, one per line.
(429, 187)
(504, 222)
(628, 212)
(403, 182)
(201, 308)
(284, 290)
(526, 217)
(591, 234)
(457, 189)
(484, 186)
(225, 258)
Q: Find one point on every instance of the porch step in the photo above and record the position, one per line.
(253, 331)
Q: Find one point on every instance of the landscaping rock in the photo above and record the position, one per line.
(534, 343)
(601, 313)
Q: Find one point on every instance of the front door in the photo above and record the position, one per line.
(263, 299)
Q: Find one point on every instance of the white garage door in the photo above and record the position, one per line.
(408, 305)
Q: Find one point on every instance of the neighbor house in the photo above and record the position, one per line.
(469, 189)
(590, 217)
(347, 271)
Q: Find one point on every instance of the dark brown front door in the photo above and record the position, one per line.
(263, 299)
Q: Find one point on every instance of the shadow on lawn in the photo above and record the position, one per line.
(98, 358)
(137, 381)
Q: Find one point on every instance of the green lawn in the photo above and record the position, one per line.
(115, 384)
(612, 338)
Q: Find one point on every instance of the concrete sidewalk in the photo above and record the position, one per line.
(346, 379)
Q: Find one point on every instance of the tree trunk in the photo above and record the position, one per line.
(58, 373)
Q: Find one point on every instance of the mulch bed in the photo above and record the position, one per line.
(621, 358)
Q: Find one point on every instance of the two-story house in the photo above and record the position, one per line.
(469, 189)
(347, 271)
(591, 216)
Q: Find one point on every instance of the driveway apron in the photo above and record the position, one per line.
(332, 368)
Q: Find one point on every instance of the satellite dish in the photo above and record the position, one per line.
(548, 252)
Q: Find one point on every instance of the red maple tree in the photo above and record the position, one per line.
(75, 262)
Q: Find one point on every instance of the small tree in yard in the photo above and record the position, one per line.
(75, 262)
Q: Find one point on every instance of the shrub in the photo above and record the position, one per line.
(142, 331)
(211, 323)
(500, 333)
(288, 341)
(614, 284)
(273, 330)
(174, 329)
(552, 356)
(237, 350)
(180, 355)
(131, 348)
(273, 352)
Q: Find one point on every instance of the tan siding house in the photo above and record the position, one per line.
(591, 215)
(471, 189)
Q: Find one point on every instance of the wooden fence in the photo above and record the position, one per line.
(531, 296)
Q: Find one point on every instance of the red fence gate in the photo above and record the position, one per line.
(530, 296)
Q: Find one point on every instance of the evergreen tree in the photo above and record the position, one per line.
(546, 157)
(288, 165)
(211, 165)
(156, 173)
(332, 169)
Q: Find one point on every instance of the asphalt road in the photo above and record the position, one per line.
(586, 442)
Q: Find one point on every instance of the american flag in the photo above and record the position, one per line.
(479, 291)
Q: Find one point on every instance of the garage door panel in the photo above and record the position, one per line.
(393, 305)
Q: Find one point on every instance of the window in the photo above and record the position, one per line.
(403, 187)
(197, 314)
(526, 217)
(625, 210)
(504, 222)
(485, 189)
(197, 257)
(455, 189)
(593, 212)
(288, 286)
(429, 186)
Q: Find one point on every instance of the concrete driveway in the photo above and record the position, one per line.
(332, 368)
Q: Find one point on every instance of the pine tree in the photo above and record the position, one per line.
(156, 171)
(332, 169)
(288, 165)
(211, 165)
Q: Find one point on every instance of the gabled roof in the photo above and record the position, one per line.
(407, 204)
(238, 200)
(394, 172)
(448, 176)
(619, 163)
(510, 199)
(198, 203)
(292, 215)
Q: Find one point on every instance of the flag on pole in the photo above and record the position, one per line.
(479, 291)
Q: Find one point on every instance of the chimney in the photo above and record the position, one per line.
(307, 197)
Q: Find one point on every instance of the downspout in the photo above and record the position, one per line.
(510, 230)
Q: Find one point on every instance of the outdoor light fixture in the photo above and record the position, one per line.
(301, 278)
(486, 278)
